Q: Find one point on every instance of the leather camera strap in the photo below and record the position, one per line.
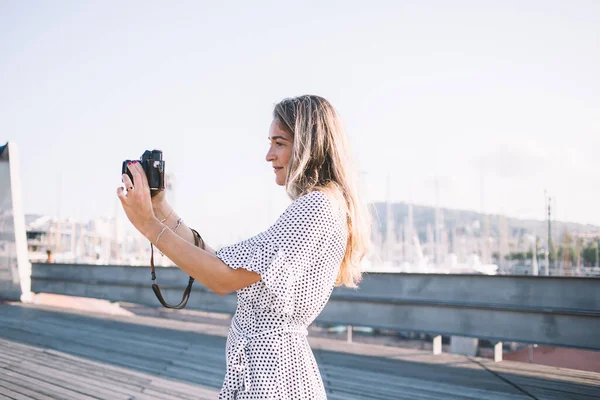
(199, 242)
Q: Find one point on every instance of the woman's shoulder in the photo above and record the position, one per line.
(323, 202)
(315, 196)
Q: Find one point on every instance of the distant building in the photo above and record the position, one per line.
(97, 241)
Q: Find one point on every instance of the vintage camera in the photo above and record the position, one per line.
(154, 166)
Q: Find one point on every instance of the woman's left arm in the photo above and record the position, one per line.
(201, 265)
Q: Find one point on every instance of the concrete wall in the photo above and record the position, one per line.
(15, 269)
(126, 284)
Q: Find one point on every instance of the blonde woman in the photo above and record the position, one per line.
(283, 276)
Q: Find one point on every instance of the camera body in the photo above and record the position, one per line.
(153, 166)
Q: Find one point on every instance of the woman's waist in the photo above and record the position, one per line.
(252, 331)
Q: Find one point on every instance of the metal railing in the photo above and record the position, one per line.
(559, 311)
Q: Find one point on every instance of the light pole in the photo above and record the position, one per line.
(597, 264)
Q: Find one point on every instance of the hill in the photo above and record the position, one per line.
(470, 221)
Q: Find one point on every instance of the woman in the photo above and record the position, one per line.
(285, 275)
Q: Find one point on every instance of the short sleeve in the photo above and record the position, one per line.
(284, 252)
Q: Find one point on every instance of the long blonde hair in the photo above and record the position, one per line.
(321, 160)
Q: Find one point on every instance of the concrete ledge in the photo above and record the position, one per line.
(557, 311)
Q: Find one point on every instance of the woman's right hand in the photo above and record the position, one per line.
(160, 206)
(159, 203)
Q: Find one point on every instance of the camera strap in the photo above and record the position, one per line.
(199, 242)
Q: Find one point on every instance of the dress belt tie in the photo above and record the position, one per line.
(240, 364)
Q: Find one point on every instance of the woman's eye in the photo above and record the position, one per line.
(279, 144)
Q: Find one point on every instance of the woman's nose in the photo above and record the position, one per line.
(270, 155)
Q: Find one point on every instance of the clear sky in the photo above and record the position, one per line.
(428, 90)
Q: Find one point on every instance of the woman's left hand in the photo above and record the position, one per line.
(137, 202)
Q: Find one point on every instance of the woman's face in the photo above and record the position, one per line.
(280, 151)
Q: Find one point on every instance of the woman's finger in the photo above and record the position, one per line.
(137, 177)
(142, 175)
(121, 195)
(127, 182)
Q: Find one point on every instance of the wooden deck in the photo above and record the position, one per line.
(50, 353)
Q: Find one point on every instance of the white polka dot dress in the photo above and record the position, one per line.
(298, 259)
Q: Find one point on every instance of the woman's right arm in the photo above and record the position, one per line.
(164, 210)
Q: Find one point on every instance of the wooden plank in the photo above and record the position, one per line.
(156, 388)
(93, 352)
(461, 372)
(112, 343)
(370, 384)
(13, 395)
(141, 323)
(6, 357)
(43, 387)
(126, 383)
(72, 381)
(550, 394)
(143, 342)
(208, 378)
(18, 392)
(124, 350)
(209, 370)
(90, 326)
(55, 360)
(114, 370)
(541, 381)
(164, 385)
(147, 381)
(560, 391)
(200, 395)
(534, 371)
(191, 376)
